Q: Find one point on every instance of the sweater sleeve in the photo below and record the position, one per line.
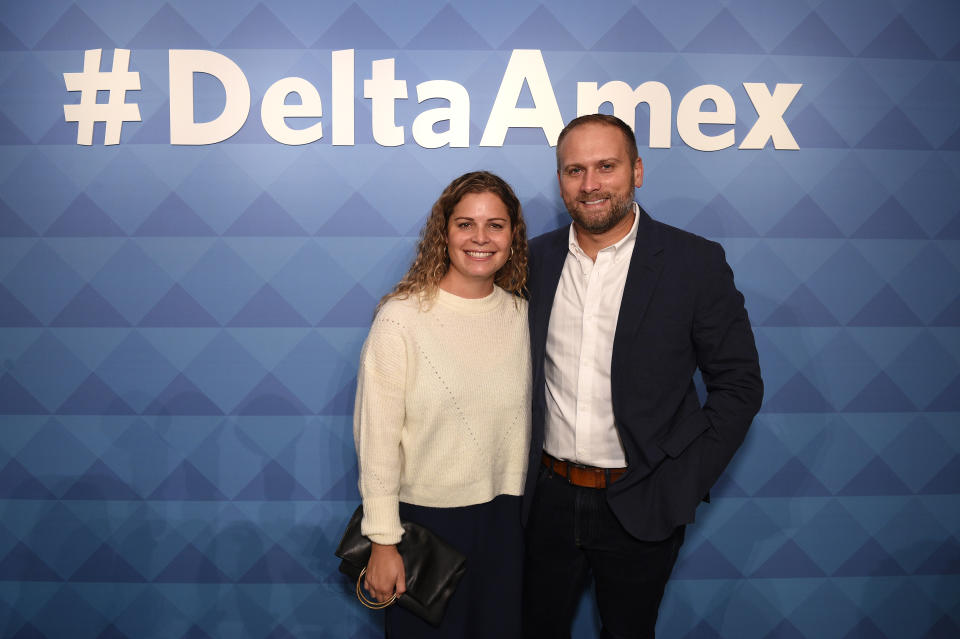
(378, 419)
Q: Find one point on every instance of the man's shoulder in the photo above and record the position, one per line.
(677, 238)
(677, 234)
(550, 238)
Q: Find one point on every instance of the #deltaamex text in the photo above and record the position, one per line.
(526, 67)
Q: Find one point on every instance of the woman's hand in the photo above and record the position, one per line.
(385, 574)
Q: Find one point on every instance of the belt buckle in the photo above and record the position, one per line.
(591, 476)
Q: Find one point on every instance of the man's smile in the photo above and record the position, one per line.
(594, 202)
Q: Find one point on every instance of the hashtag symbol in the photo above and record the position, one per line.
(116, 83)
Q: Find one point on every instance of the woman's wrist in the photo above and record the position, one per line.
(382, 548)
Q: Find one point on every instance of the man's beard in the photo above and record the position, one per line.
(619, 208)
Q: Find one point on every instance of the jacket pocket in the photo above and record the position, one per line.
(684, 433)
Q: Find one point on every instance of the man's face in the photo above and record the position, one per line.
(597, 177)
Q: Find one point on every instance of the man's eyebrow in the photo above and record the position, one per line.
(609, 160)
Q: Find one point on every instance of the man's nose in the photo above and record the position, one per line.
(590, 182)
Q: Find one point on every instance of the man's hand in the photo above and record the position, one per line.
(385, 574)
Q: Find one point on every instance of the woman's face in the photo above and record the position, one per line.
(479, 236)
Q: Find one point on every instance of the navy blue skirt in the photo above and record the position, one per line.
(487, 601)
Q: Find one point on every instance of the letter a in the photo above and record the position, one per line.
(525, 65)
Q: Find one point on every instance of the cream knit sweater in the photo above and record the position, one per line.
(442, 413)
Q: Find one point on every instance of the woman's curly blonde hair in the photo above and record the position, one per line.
(432, 260)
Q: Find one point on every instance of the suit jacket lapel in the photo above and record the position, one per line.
(646, 264)
(545, 288)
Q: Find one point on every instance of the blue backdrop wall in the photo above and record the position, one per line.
(180, 323)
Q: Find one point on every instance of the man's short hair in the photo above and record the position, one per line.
(602, 118)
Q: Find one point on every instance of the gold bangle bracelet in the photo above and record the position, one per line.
(369, 603)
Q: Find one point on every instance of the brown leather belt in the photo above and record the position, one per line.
(584, 476)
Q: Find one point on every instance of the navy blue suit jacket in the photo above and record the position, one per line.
(680, 311)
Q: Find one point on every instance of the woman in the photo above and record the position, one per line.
(441, 420)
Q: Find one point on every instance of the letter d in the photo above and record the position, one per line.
(183, 64)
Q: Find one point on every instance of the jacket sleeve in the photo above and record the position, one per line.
(728, 361)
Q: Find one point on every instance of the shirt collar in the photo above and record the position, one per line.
(624, 245)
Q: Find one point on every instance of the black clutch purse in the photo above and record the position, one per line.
(433, 568)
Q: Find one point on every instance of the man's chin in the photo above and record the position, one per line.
(597, 223)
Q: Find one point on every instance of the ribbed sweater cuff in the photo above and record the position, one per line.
(381, 520)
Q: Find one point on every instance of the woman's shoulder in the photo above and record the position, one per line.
(400, 310)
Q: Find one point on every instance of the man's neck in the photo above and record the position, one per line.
(593, 243)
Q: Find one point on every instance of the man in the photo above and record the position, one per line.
(623, 310)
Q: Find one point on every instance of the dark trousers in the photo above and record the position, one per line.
(572, 533)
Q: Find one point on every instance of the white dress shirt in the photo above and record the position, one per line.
(579, 419)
